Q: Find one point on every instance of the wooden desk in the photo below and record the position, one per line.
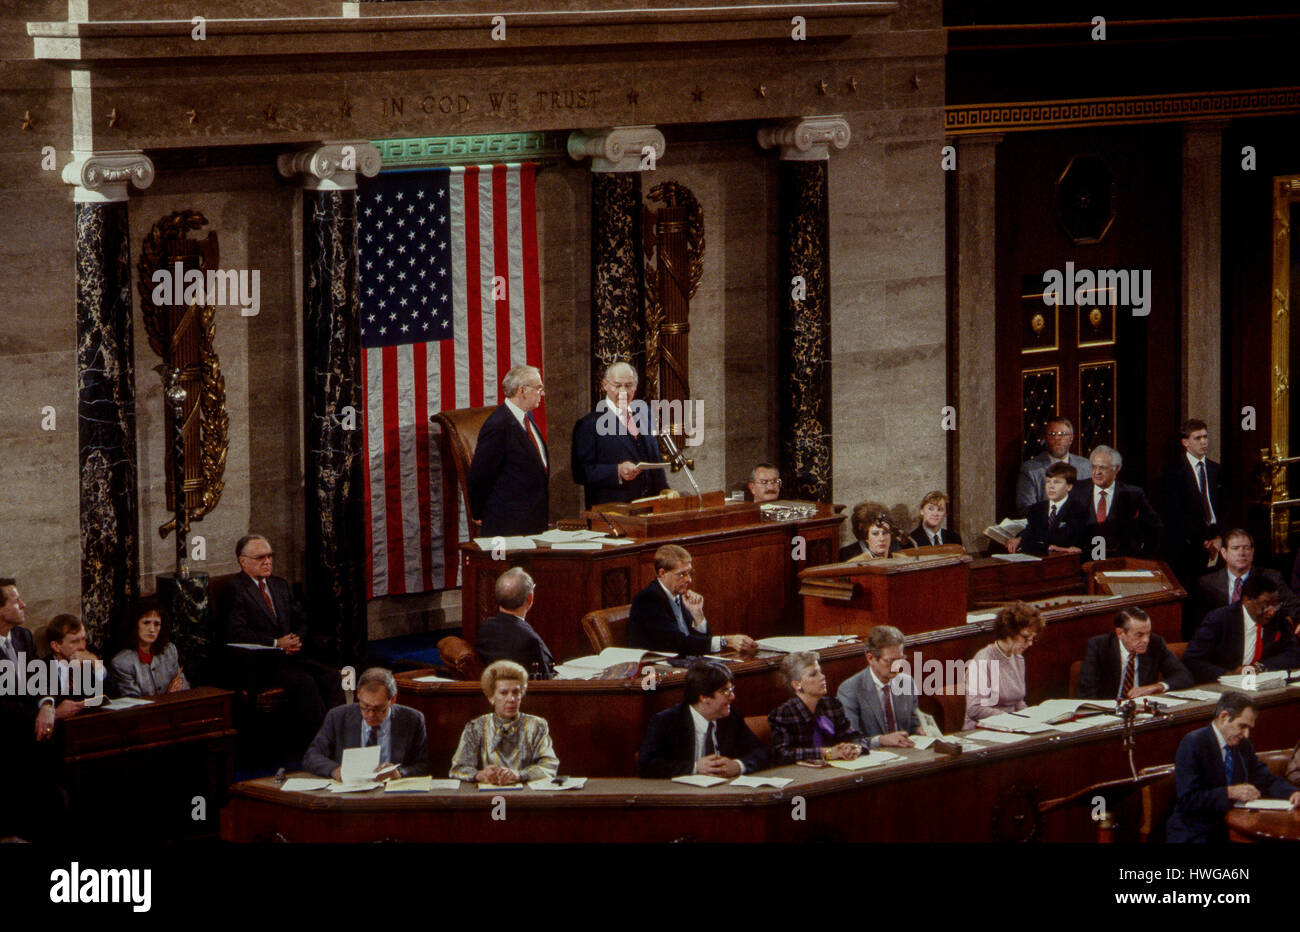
(1250, 826)
(744, 572)
(985, 795)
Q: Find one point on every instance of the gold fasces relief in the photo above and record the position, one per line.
(184, 337)
(674, 265)
(1273, 487)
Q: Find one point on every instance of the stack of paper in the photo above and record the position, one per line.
(973, 618)
(304, 784)
(1254, 682)
(1196, 695)
(998, 737)
(921, 742)
(494, 787)
(444, 786)
(124, 702)
(874, 759)
(1015, 722)
(753, 781)
(591, 667)
(506, 543)
(557, 536)
(700, 780)
(352, 787)
(550, 786)
(1276, 804)
(788, 645)
(1016, 557)
(433, 679)
(409, 785)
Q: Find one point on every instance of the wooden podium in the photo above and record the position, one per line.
(924, 592)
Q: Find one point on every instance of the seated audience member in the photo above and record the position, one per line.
(765, 483)
(880, 701)
(1056, 525)
(1118, 513)
(1221, 587)
(812, 725)
(668, 615)
(507, 636)
(375, 719)
(1215, 767)
(995, 676)
(931, 532)
(258, 608)
(1248, 636)
(702, 734)
(1029, 484)
(505, 746)
(81, 674)
(874, 533)
(1130, 663)
(150, 666)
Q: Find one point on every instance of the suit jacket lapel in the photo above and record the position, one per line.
(351, 732)
(873, 703)
(688, 734)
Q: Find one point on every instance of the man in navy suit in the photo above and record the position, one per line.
(881, 702)
(375, 719)
(507, 636)
(702, 734)
(1194, 510)
(668, 615)
(1118, 513)
(508, 476)
(1247, 636)
(1215, 767)
(609, 442)
(1129, 663)
(931, 532)
(1057, 524)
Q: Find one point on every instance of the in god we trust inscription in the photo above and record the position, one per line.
(490, 101)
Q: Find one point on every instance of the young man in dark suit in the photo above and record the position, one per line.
(1057, 524)
(374, 719)
(1131, 662)
(931, 532)
(610, 441)
(1248, 636)
(1118, 513)
(1216, 767)
(507, 636)
(1193, 510)
(668, 615)
(702, 734)
(508, 475)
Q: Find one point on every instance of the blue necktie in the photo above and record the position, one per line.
(680, 611)
(1227, 763)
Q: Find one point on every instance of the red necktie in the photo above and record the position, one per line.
(1101, 509)
(889, 709)
(1130, 674)
(261, 584)
(1259, 644)
(532, 434)
(626, 417)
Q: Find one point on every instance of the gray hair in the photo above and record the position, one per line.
(617, 366)
(513, 588)
(515, 379)
(1116, 460)
(378, 676)
(882, 636)
(753, 473)
(795, 665)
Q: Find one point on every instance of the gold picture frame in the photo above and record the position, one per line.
(1094, 316)
(1036, 317)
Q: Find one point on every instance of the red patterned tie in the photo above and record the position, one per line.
(1130, 674)
(261, 584)
(889, 708)
(1101, 509)
(1236, 591)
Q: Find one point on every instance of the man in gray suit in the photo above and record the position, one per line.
(1029, 484)
(881, 700)
(374, 719)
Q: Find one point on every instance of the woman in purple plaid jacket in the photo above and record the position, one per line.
(812, 725)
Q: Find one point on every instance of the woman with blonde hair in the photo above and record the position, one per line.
(505, 746)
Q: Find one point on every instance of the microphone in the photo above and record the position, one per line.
(675, 456)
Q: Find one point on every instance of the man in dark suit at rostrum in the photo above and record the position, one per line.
(1221, 587)
(1118, 513)
(1029, 483)
(668, 615)
(1130, 663)
(1216, 767)
(507, 636)
(702, 734)
(1248, 636)
(1056, 524)
(375, 719)
(610, 441)
(508, 476)
(1194, 511)
(258, 608)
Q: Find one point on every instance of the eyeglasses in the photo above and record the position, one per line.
(767, 482)
(539, 388)
(1060, 433)
(257, 557)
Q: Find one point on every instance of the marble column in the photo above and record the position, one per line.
(334, 494)
(804, 348)
(1202, 314)
(106, 454)
(618, 156)
(974, 334)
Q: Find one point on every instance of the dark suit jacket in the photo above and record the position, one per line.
(408, 743)
(249, 621)
(669, 746)
(651, 624)
(1212, 592)
(1202, 794)
(507, 482)
(597, 453)
(509, 637)
(922, 539)
(1217, 646)
(1132, 527)
(1185, 526)
(1101, 674)
(18, 713)
(1069, 530)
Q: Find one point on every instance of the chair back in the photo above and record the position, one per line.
(606, 627)
(1158, 799)
(1176, 648)
(1076, 669)
(761, 727)
(948, 707)
(1276, 761)
(460, 658)
(460, 434)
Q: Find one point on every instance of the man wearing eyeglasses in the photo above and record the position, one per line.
(508, 476)
(765, 483)
(1248, 636)
(668, 615)
(1030, 488)
(703, 734)
(610, 441)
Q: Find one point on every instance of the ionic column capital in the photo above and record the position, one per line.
(331, 166)
(101, 177)
(617, 149)
(806, 139)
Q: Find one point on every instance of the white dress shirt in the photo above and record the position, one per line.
(702, 731)
(1249, 635)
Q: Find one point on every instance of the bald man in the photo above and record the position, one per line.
(609, 442)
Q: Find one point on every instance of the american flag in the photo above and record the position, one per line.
(450, 301)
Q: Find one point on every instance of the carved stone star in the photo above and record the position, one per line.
(345, 108)
(112, 117)
(761, 90)
(270, 113)
(193, 115)
(822, 87)
(632, 96)
(916, 79)
(853, 85)
(28, 122)
(698, 94)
